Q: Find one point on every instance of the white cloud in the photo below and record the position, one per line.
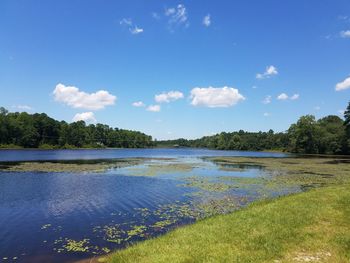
(75, 98)
(153, 108)
(266, 114)
(345, 84)
(134, 29)
(138, 104)
(206, 20)
(170, 11)
(317, 108)
(267, 100)
(215, 97)
(22, 107)
(345, 34)
(282, 96)
(295, 97)
(88, 117)
(177, 15)
(169, 96)
(126, 21)
(270, 71)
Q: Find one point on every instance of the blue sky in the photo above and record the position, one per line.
(217, 65)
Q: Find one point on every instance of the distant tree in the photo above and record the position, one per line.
(34, 130)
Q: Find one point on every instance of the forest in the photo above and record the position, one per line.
(41, 131)
(328, 135)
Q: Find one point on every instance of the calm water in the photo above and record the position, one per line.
(31, 155)
(44, 216)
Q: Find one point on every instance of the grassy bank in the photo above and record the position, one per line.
(308, 227)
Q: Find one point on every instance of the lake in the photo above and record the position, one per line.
(68, 216)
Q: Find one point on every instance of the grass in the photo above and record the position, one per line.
(310, 225)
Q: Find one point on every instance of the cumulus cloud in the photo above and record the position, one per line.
(153, 108)
(267, 100)
(282, 96)
(345, 84)
(177, 15)
(138, 104)
(295, 97)
(345, 34)
(215, 97)
(169, 96)
(206, 20)
(88, 117)
(270, 71)
(134, 29)
(75, 98)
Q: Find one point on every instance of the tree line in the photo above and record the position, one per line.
(328, 135)
(41, 131)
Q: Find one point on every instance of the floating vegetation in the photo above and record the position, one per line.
(113, 234)
(70, 166)
(136, 231)
(77, 245)
(162, 224)
(153, 168)
(207, 184)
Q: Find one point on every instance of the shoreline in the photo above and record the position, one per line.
(292, 204)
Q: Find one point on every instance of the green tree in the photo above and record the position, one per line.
(304, 135)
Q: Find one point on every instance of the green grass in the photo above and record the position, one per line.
(312, 226)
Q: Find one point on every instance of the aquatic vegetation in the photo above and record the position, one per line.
(113, 234)
(207, 184)
(77, 245)
(164, 223)
(156, 167)
(136, 231)
(70, 166)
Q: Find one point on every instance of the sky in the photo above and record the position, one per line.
(176, 69)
